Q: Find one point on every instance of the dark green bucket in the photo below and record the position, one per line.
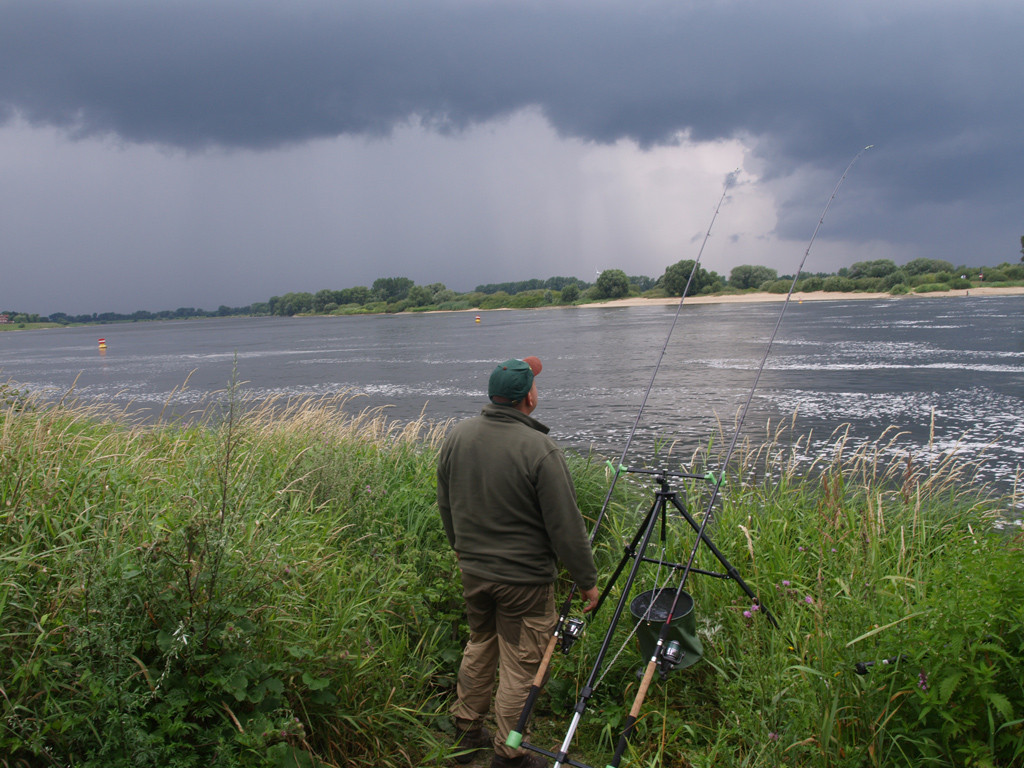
(683, 629)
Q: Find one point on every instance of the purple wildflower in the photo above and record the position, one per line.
(785, 582)
(922, 680)
(809, 600)
(746, 614)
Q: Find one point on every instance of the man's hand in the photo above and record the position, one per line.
(590, 597)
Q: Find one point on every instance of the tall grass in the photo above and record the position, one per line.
(273, 587)
(869, 565)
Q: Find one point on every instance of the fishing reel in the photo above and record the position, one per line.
(671, 655)
(571, 632)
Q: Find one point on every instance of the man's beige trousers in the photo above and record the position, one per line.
(510, 626)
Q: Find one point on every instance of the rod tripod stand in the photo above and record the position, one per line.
(667, 653)
(664, 497)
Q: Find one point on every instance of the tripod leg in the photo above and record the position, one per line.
(729, 568)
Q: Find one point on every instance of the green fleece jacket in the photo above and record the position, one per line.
(508, 503)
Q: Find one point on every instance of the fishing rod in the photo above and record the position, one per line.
(663, 635)
(568, 630)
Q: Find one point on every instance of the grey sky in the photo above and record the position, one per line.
(197, 153)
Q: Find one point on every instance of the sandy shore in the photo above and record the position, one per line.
(746, 298)
(750, 298)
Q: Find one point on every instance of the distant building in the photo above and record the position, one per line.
(4, 318)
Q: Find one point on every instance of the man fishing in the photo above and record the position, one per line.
(508, 506)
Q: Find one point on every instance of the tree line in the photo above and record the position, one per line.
(401, 294)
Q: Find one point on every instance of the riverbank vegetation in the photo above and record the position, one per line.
(401, 294)
(273, 588)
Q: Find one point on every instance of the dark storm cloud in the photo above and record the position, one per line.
(935, 85)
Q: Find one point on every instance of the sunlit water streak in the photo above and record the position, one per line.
(948, 373)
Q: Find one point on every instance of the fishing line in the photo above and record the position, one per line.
(648, 616)
(620, 466)
(665, 630)
(760, 369)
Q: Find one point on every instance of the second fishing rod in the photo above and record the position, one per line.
(656, 659)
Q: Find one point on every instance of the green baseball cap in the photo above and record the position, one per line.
(511, 381)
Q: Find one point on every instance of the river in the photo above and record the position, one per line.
(948, 373)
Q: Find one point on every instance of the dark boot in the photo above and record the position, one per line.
(528, 760)
(470, 743)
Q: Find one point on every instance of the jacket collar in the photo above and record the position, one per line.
(508, 413)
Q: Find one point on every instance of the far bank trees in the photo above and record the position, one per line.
(612, 284)
(751, 276)
(401, 294)
(678, 275)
